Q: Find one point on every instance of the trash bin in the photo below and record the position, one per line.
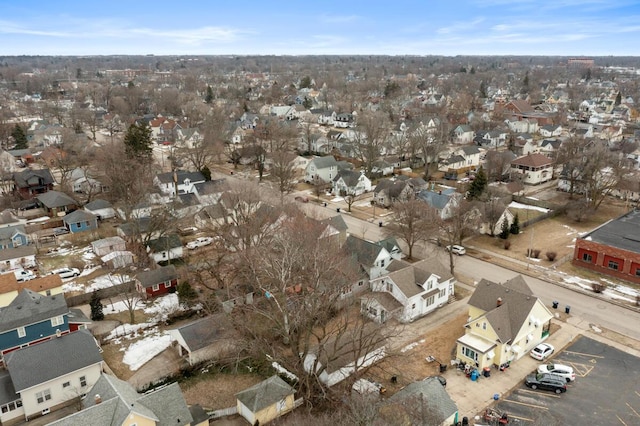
(465, 421)
(325, 204)
(380, 224)
(486, 372)
(443, 368)
(555, 304)
(338, 209)
(567, 309)
(496, 396)
(474, 375)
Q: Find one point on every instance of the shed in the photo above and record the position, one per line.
(265, 401)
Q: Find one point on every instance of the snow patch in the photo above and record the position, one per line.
(520, 206)
(105, 281)
(144, 350)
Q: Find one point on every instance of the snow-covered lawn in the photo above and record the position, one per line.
(139, 353)
(519, 206)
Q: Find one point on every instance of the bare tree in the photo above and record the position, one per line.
(463, 222)
(413, 221)
(370, 138)
(129, 295)
(202, 152)
(602, 171)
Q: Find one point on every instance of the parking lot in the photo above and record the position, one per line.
(606, 390)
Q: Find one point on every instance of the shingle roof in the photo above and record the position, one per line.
(97, 205)
(350, 178)
(410, 277)
(432, 393)
(622, 232)
(337, 222)
(54, 199)
(532, 160)
(434, 199)
(201, 333)
(40, 284)
(14, 253)
(53, 358)
(506, 316)
(22, 177)
(324, 162)
(164, 243)
(7, 391)
(8, 232)
(159, 275)
(79, 216)
(30, 307)
(181, 175)
(264, 394)
(365, 252)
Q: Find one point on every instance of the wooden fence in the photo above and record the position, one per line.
(103, 293)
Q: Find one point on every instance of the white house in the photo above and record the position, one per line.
(49, 375)
(17, 258)
(183, 180)
(105, 246)
(418, 289)
(165, 248)
(372, 257)
(321, 168)
(533, 168)
(349, 182)
(551, 130)
(463, 134)
(100, 208)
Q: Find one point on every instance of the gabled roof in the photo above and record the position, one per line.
(181, 176)
(14, 253)
(51, 359)
(30, 307)
(79, 216)
(107, 242)
(434, 199)
(392, 188)
(506, 306)
(21, 178)
(470, 150)
(431, 392)
(8, 232)
(202, 333)
(118, 400)
(324, 162)
(164, 243)
(40, 284)
(350, 178)
(336, 222)
(98, 205)
(54, 199)
(363, 251)
(265, 393)
(156, 276)
(409, 277)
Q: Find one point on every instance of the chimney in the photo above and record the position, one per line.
(97, 398)
(499, 302)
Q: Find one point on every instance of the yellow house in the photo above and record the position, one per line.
(265, 401)
(48, 285)
(505, 322)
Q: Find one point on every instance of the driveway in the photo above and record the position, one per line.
(605, 391)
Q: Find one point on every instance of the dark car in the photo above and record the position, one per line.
(547, 382)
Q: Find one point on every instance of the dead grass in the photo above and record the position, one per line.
(123, 317)
(217, 391)
(113, 357)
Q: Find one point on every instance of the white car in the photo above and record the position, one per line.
(456, 249)
(66, 272)
(562, 370)
(542, 351)
(199, 242)
(24, 275)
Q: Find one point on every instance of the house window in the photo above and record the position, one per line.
(413, 306)
(613, 265)
(282, 405)
(382, 263)
(470, 353)
(164, 254)
(390, 287)
(66, 385)
(587, 257)
(361, 283)
(167, 284)
(11, 406)
(638, 272)
(43, 396)
(48, 292)
(78, 224)
(155, 287)
(429, 301)
(442, 293)
(21, 332)
(56, 321)
(83, 381)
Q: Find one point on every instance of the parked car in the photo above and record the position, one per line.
(546, 382)
(199, 242)
(561, 370)
(189, 230)
(542, 351)
(66, 272)
(24, 275)
(456, 249)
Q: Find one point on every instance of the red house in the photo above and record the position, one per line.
(613, 248)
(157, 281)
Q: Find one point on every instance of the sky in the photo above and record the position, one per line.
(355, 27)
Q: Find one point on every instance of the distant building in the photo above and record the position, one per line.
(581, 62)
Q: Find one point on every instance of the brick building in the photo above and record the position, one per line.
(613, 248)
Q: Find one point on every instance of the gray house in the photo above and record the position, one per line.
(321, 168)
(80, 220)
(13, 236)
(205, 339)
(56, 202)
(101, 208)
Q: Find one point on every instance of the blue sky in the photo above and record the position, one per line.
(400, 27)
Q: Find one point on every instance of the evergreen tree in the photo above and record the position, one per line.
(19, 137)
(478, 185)
(504, 230)
(515, 226)
(138, 142)
(186, 293)
(206, 173)
(305, 82)
(96, 308)
(307, 103)
(209, 97)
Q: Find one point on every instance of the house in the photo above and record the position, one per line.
(389, 191)
(117, 259)
(57, 203)
(444, 202)
(430, 395)
(551, 130)
(7, 219)
(165, 248)
(77, 320)
(158, 281)
(17, 258)
(491, 139)
(80, 221)
(206, 339)
(105, 246)
(382, 168)
(13, 236)
(336, 227)
(348, 182)
(612, 249)
(102, 209)
(265, 401)
(46, 285)
(9, 163)
(534, 169)
(29, 183)
(31, 318)
(323, 169)
(505, 322)
(182, 180)
(371, 257)
(342, 356)
(83, 183)
(211, 217)
(49, 375)
(462, 160)
(463, 134)
(112, 401)
(418, 289)
(52, 156)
